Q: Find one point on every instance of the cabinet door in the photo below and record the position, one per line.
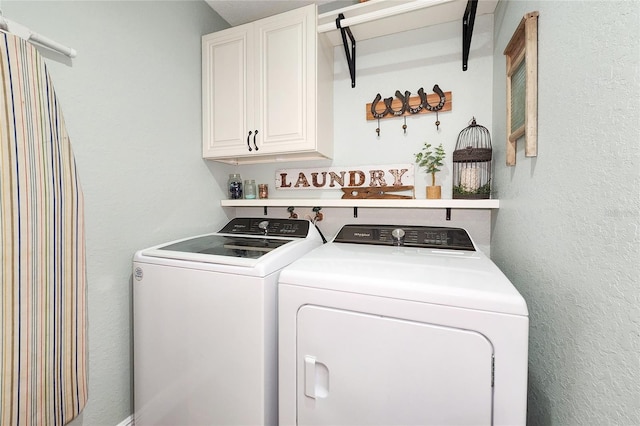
(227, 86)
(355, 368)
(286, 71)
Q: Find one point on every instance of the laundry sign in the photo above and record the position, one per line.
(391, 176)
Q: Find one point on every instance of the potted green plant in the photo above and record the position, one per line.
(431, 160)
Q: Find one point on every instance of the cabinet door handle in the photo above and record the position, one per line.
(248, 144)
(254, 140)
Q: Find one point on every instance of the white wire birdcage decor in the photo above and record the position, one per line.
(472, 163)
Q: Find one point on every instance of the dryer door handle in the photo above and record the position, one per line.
(316, 378)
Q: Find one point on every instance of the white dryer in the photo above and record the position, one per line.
(400, 325)
(205, 333)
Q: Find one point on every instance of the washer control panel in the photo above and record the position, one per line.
(272, 227)
(410, 236)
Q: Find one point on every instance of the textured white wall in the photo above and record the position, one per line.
(566, 235)
(567, 230)
(403, 61)
(131, 100)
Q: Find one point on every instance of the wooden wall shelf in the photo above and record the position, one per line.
(355, 204)
(368, 203)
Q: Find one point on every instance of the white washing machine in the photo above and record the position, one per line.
(400, 325)
(205, 333)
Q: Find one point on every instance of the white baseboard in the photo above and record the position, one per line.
(127, 422)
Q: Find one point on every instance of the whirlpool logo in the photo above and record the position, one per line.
(138, 274)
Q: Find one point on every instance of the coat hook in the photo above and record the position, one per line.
(423, 100)
(374, 113)
(441, 102)
(404, 126)
(319, 216)
(404, 99)
(439, 106)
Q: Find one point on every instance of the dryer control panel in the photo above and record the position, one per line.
(410, 236)
(272, 227)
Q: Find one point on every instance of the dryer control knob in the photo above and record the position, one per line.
(397, 235)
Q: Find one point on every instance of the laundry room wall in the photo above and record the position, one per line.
(407, 60)
(567, 229)
(131, 101)
(566, 232)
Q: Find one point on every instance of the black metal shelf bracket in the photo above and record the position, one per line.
(467, 30)
(351, 56)
(448, 214)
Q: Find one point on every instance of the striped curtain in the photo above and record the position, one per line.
(43, 357)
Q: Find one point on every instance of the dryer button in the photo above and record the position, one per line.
(397, 236)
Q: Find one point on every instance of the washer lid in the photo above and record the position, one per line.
(247, 246)
(446, 277)
(224, 245)
(218, 249)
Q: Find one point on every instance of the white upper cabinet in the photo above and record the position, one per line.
(227, 91)
(267, 91)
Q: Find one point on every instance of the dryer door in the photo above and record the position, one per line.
(363, 369)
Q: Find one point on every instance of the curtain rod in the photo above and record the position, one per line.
(386, 12)
(26, 34)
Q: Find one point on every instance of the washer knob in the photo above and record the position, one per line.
(397, 236)
(264, 225)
